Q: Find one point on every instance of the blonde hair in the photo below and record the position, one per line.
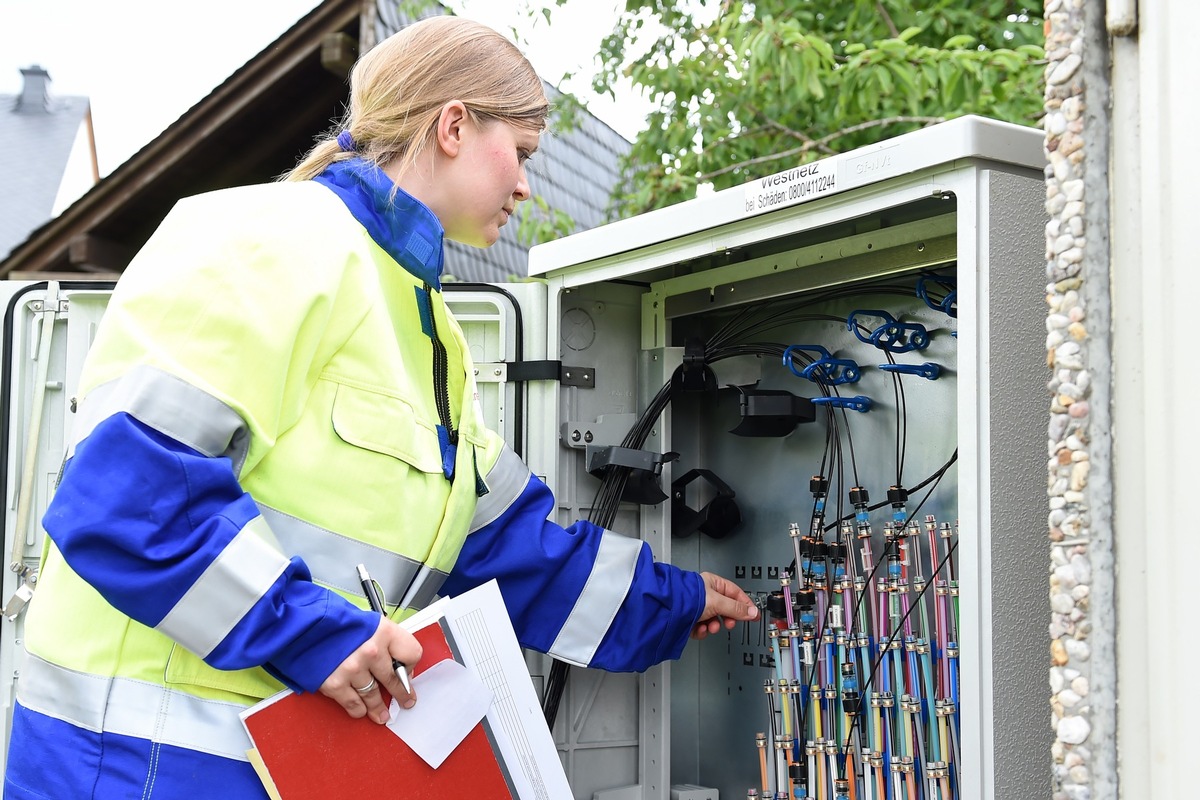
(398, 88)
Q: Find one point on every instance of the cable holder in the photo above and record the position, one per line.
(948, 305)
(860, 403)
(928, 370)
(892, 336)
(644, 484)
(826, 369)
(694, 374)
(771, 412)
(719, 517)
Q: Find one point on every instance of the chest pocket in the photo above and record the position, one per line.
(385, 424)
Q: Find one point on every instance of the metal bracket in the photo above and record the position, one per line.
(582, 377)
(58, 306)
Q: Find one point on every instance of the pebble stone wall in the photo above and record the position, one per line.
(1070, 388)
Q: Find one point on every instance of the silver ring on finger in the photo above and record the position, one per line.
(366, 689)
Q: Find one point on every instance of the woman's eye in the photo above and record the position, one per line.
(523, 156)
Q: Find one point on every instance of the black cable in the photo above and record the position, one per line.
(935, 476)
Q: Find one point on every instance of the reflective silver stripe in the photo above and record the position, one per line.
(171, 406)
(228, 588)
(423, 589)
(507, 478)
(332, 557)
(597, 604)
(132, 708)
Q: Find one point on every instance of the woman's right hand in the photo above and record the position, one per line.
(371, 666)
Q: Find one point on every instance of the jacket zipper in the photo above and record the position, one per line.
(441, 392)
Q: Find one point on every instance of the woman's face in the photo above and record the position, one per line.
(487, 181)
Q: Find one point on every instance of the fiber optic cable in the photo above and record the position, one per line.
(783, 757)
(785, 704)
(760, 741)
(905, 621)
(943, 612)
(797, 670)
(952, 654)
(850, 709)
(929, 700)
(796, 736)
(786, 583)
(912, 669)
(822, 777)
(880, 700)
(831, 758)
(810, 753)
(945, 532)
(797, 557)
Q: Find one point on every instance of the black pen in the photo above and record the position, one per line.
(373, 598)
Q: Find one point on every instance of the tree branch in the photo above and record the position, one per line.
(888, 19)
(779, 126)
(875, 123)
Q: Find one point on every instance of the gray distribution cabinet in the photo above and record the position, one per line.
(789, 259)
(671, 364)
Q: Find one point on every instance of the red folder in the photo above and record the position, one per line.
(312, 748)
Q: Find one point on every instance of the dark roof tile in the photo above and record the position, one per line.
(34, 150)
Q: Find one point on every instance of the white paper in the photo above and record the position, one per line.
(450, 702)
(484, 635)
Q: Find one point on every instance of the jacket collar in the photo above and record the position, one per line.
(402, 225)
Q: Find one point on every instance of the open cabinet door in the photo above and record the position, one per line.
(48, 327)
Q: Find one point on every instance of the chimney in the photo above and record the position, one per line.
(35, 94)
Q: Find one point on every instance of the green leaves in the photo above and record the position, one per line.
(537, 222)
(737, 84)
(742, 89)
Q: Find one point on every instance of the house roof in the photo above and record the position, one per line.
(38, 130)
(255, 126)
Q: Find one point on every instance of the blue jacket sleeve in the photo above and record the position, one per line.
(142, 518)
(582, 593)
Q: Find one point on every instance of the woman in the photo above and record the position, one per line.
(277, 393)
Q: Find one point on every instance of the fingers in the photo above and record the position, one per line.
(404, 652)
(726, 599)
(357, 682)
(725, 604)
(354, 686)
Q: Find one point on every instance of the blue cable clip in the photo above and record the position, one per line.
(928, 370)
(826, 369)
(892, 336)
(949, 284)
(858, 403)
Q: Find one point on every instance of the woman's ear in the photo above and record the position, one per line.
(452, 126)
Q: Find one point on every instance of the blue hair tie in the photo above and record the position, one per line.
(346, 142)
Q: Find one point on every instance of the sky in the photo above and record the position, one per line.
(143, 63)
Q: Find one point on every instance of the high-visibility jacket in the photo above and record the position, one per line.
(277, 392)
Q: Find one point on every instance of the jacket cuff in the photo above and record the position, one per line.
(305, 663)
